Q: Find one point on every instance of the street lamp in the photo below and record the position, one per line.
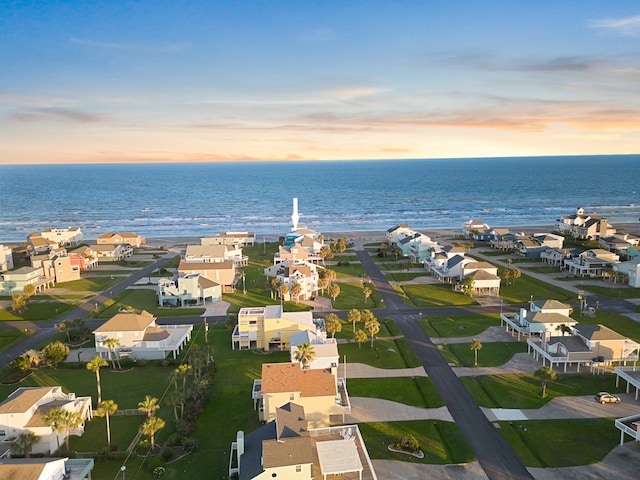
(581, 300)
(244, 286)
(123, 469)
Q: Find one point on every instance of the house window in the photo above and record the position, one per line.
(298, 468)
(292, 397)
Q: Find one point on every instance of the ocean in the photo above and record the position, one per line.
(197, 199)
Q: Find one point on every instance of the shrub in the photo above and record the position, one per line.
(407, 443)
(189, 444)
(154, 463)
(166, 454)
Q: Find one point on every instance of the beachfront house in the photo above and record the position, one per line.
(140, 337)
(418, 245)
(270, 328)
(287, 448)
(474, 227)
(24, 411)
(584, 226)
(215, 254)
(447, 263)
(224, 273)
(189, 289)
(6, 258)
(234, 239)
(46, 468)
(594, 262)
(40, 245)
(296, 253)
(319, 391)
(66, 237)
(121, 238)
(397, 233)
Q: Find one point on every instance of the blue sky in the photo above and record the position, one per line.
(156, 81)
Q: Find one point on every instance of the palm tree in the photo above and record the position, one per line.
(176, 398)
(305, 353)
(354, 317)
(94, 365)
(151, 426)
(360, 336)
(34, 357)
(182, 371)
(366, 291)
(106, 409)
(53, 418)
(332, 324)
(65, 326)
(515, 273)
(372, 326)
(296, 290)
(475, 346)
(24, 442)
(149, 405)
(334, 291)
(70, 420)
(111, 344)
(283, 290)
(545, 374)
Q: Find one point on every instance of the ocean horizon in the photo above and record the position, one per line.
(198, 199)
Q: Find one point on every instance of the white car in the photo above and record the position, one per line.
(606, 397)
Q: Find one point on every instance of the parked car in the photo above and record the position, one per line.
(606, 397)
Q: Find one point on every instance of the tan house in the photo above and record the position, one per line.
(112, 252)
(222, 273)
(140, 337)
(594, 262)
(485, 278)
(270, 328)
(39, 244)
(46, 468)
(215, 254)
(584, 225)
(287, 448)
(70, 236)
(319, 391)
(240, 239)
(56, 265)
(24, 411)
(121, 238)
(594, 345)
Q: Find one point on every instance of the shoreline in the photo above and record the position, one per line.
(353, 235)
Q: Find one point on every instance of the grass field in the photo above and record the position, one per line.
(490, 355)
(414, 391)
(435, 295)
(451, 326)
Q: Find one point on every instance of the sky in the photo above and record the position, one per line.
(203, 81)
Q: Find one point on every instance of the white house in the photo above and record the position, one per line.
(298, 272)
(216, 254)
(447, 263)
(591, 262)
(631, 270)
(6, 258)
(192, 287)
(485, 277)
(24, 411)
(70, 236)
(544, 319)
(140, 337)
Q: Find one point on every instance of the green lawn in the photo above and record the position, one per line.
(545, 443)
(405, 276)
(9, 337)
(145, 299)
(451, 326)
(37, 311)
(523, 391)
(385, 353)
(351, 296)
(613, 291)
(414, 391)
(490, 355)
(353, 270)
(92, 284)
(434, 295)
(442, 442)
(521, 289)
